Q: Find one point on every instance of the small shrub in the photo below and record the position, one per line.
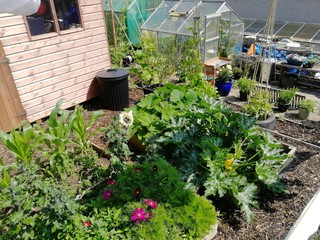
(307, 104)
(287, 95)
(246, 84)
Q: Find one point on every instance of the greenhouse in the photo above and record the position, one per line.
(136, 12)
(220, 28)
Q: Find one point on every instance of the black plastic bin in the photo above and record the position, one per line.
(114, 88)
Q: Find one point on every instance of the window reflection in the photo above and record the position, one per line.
(43, 21)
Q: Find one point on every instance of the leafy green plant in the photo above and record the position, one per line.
(246, 84)
(307, 104)
(56, 147)
(287, 95)
(117, 140)
(34, 207)
(154, 111)
(210, 145)
(237, 73)
(122, 47)
(259, 105)
(150, 65)
(224, 74)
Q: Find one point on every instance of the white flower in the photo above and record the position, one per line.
(229, 67)
(126, 119)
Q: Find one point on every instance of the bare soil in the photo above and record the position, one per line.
(276, 214)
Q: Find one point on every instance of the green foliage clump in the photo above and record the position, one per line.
(287, 95)
(209, 144)
(156, 180)
(151, 66)
(307, 104)
(177, 213)
(192, 220)
(154, 111)
(259, 105)
(246, 84)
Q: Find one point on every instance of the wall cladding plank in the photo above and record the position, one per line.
(60, 66)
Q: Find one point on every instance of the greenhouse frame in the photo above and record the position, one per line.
(136, 12)
(220, 28)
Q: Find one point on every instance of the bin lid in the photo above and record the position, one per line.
(112, 74)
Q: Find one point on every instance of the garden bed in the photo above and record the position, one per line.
(277, 214)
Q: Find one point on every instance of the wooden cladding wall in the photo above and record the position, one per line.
(59, 66)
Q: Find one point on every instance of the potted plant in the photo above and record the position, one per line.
(245, 86)
(223, 81)
(306, 106)
(311, 62)
(260, 107)
(237, 73)
(285, 98)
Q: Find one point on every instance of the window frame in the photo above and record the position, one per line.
(58, 32)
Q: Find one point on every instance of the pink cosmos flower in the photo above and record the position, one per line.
(86, 224)
(152, 204)
(107, 194)
(150, 215)
(139, 215)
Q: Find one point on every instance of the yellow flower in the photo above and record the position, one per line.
(227, 163)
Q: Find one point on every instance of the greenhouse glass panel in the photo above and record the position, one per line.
(212, 28)
(255, 27)
(171, 24)
(224, 8)
(158, 17)
(278, 26)
(184, 7)
(211, 49)
(289, 29)
(316, 38)
(247, 22)
(306, 33)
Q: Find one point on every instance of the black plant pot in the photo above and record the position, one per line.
(150, 88)
(243, 96)
(283, 107)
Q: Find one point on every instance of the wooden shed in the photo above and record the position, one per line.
(50, 55)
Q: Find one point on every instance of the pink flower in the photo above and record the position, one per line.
(111, 182)
(139, 215)
(150, 215)
(107, 194)
(86, 224)
(152, 204)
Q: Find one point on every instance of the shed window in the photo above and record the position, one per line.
(54, 16)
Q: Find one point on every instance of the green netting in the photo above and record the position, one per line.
(137, 11)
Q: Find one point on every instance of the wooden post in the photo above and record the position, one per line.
(113, 26)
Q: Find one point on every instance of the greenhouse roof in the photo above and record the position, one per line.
(173, 16)
(302, 32)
